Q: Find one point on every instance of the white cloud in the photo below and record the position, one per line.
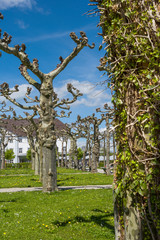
(22, 91)
(21, 24)
(5, 4)
(20, 94)
(102, 130)
(92, 96)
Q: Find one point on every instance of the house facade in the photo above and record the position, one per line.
(16, 138)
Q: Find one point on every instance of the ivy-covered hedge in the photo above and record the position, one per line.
(131, 37)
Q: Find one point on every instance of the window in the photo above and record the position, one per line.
(20, 150)
(64, 149)
(20, 139)
(11, 140)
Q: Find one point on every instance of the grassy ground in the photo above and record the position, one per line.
(12, 171)
(70, 214)
(63, 215)
(84, 179)
(65, 177)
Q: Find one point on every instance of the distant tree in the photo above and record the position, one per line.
(5, 136)
(79, 153)
(9, 154)
(28, 156)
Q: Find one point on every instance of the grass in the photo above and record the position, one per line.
(66, 170)
(84, 179)
(13, 171)
(19, 181)
(63, 215)
(65, 177)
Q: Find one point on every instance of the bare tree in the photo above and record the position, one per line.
(73, 133)
(95, 138)
(47, 100)
(5, 136)
(108, 115)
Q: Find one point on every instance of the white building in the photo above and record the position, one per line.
(17, 138)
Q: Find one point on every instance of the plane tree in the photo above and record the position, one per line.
(5, 136)
(73, 133)
(108, 115)
(95, 122)
(47, 98)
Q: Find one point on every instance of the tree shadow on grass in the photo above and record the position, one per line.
(102, 219)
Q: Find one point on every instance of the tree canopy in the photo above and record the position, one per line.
(9, 154)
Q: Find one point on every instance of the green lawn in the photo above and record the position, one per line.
(13, 171)
(65, 177)
(84, 179)
(63, 215)
(19, 181)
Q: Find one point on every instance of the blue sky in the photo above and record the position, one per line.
(44, 27)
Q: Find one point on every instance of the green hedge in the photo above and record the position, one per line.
(19, 165)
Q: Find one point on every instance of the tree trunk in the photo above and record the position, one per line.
(76, 162)
(58, 157)
(37, 159)
(114, 147)
(32, 158)
(49, 169)
(95, 157)
(3, 146)
(41, 163)
(104, 151)
(90, 155)
(132, 221)
(3, 156)
(47, 136)
(70, 153)
(108, 172)
(62, 160)
(66, 161)
(95, 149)
(84, 159)
(84, 153)
(70, 160)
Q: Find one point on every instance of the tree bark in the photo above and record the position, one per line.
(62, 157)
(84, 153)
(49, 169)
(47, 136)
(37, 159)
(114, 146)
(3, 156)
(104, 151)
(3, 147)
(58, 157)
(66, 160)
(108, 172)
(70, 153)
(76, 162)
(95, 150)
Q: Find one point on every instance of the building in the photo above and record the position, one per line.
(16, 138)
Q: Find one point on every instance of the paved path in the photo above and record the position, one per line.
(29, 189)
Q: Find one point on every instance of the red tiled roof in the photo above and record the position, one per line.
(15, 126)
